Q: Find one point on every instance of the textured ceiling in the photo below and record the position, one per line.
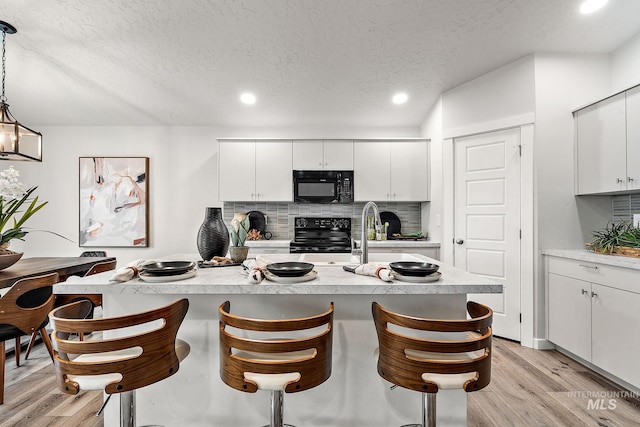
(310, 62)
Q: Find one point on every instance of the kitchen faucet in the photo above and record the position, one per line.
(364, 249)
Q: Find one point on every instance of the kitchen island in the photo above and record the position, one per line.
(354, 395)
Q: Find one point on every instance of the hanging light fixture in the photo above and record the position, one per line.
(17, 142)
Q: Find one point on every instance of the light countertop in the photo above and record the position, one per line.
(590, 256)
(329, 280)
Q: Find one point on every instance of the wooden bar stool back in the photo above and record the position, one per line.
(123, 361)
(62, 299)
(279, 364)
(23, 311)
(453, 354)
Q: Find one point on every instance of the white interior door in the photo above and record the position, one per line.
(487, 220)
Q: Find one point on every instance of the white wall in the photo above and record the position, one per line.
(625, 65)
(182, 179)
(562, 83)
(432, 218)
(504, 92)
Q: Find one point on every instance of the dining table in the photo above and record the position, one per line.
(37, 266)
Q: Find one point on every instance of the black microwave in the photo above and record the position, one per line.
(320, 186)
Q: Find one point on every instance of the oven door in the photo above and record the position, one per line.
(314, 187)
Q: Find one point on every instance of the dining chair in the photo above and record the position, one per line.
(452, 354)
(122, 361)
(23, 311)
(62, 299)
(278, 363)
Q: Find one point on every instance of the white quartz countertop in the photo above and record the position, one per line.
(329, 280)
(590, 256)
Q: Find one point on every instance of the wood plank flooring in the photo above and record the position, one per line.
(528, 388)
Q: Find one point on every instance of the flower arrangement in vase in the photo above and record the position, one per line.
(12, 198)
(239, 230)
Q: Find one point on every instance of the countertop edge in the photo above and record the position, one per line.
(586, 255)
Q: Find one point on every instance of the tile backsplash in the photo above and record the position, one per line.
(281, 216)
(623, 207)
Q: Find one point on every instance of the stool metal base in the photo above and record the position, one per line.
(428, 411)
(277, 410)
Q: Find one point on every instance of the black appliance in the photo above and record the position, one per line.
(327, 235)
(319, 186)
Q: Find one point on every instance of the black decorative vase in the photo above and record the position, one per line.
(213, 235)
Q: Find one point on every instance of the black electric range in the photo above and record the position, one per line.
(323, 235)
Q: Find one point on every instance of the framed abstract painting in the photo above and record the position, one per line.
(113, 201)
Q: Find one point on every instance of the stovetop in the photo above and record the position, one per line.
(313, 234)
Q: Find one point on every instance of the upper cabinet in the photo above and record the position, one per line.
(608, 144)
(633, 138)
(255, 171)
(391, 171)
(323, 154)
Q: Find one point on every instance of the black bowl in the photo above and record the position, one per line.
(290, 269)
(168, 268)
(411, 268)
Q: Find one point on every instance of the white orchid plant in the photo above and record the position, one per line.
(239, 229)
(12, 198)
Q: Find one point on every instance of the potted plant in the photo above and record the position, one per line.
(239, 230)
(12, 198)
(621, 238)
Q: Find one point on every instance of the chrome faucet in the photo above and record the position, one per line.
(364, 249)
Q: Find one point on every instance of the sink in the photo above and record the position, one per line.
(348, 259)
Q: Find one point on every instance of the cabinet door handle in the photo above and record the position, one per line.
(619, 180)
(584, 291)
(593, 267)
(629, 179)
(459, 241)
(593, 294)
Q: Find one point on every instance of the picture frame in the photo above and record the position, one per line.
(113, 201)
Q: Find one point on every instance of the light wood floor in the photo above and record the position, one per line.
(528, 388)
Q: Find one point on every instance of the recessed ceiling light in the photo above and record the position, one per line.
(400, 98)
(248, 98)
(590, 6)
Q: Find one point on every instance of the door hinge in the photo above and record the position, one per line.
(520, 317)
(520, 150)
(520, 234)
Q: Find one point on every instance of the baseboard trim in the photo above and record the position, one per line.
(543, 344)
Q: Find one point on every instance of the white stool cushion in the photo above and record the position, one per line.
(446, 381)
(99, 382)
(274, 382)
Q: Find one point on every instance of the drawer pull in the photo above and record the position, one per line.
(593, 267)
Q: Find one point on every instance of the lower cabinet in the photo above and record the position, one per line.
(570, 314)
(593, 312)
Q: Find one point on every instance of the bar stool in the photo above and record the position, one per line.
(280, 364)
(23, 311)
(62, 299)
(453, 354)
(121, 364)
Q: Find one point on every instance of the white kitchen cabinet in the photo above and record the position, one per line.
(633, 138)
(608, 144)
(570, 314)
(592, 310)
(255, 171)
(391, 171)
(323, 154)
(615, 344)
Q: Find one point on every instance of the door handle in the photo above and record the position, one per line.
(459, 241)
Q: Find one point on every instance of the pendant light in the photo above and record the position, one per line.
(17, 142)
